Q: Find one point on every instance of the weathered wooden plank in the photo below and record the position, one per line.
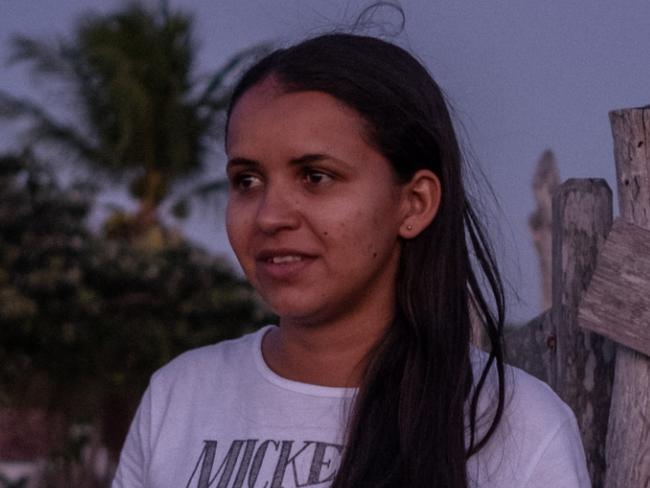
(617, 302)
(530, 347)
(582, 370)
(632, 154)
(545, 183)
(628, 441)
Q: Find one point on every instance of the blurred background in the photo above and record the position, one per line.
(113, 254)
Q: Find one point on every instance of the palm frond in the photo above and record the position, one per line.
(44, 127)
(141, 110)
(45, 57)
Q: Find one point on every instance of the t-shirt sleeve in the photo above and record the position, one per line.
(561, 462)
(135, 454)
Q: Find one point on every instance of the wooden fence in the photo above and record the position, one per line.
(592, 345)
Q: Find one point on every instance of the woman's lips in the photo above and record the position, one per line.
(283, 264)
(285, 259)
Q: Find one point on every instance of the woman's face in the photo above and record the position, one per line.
(313, 211)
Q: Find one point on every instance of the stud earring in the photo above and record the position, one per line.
(409, 227)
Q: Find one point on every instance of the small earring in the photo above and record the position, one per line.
(409, 227)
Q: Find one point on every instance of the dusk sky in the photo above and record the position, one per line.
(522, 77)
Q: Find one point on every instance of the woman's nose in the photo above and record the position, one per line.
(278, 210)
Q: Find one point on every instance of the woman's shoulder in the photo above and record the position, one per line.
(534, 400)
(525, 395)
(196, 364)
(543, 428)
(538, 436)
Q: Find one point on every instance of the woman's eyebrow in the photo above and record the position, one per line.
(314, 158)
(241, 162)
(307, 159)
(298, 161)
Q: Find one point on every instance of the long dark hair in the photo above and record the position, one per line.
(415, 417)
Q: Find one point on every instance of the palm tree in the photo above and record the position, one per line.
(141, 115)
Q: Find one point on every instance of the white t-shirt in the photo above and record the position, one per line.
(218, 417)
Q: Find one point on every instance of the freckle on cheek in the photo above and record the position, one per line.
(374, 254)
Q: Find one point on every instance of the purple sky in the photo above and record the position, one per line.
(522, 76)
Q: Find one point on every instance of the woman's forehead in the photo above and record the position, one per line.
(271, 87)
(268, 107)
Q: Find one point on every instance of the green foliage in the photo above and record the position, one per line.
(141, 114)
(7, 483)
(83, 320)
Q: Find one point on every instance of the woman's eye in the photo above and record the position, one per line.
(315, 177)
(244, 182)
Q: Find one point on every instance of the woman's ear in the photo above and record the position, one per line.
(420, 202)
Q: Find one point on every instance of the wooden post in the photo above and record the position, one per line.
(531, 347)
(540, 223)
(528, 347)
(581, 372)
(628, 440)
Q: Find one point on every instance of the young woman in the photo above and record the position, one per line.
(347, 213)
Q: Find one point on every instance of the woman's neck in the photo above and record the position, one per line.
(333, 355)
